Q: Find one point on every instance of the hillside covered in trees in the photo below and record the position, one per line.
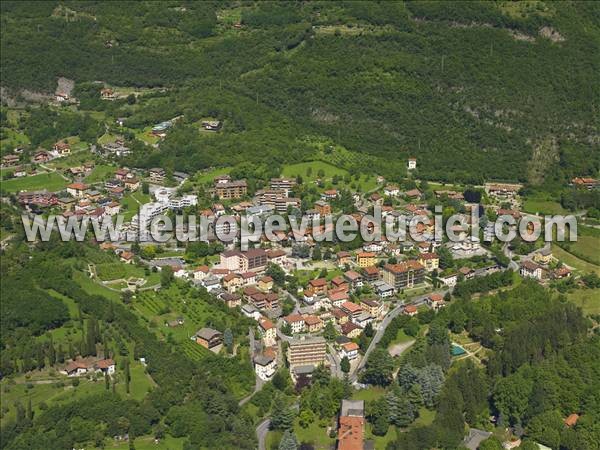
(475, 90)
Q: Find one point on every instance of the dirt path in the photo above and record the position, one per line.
(398, 349)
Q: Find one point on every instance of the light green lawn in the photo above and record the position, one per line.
(371, 393)
(572, 261)
(313, 434)
(543, 207)
(145, 136)
(365, 183)
(147, 443)
(100, 173)
(93, 288)
(207, 177)
(587, 299)
(51, 181)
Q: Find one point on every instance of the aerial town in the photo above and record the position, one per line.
(120, 117)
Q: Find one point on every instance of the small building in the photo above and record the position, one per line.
(208, 338)
(410, 310)
(429, 260)
(351, 330)
(349, 350)
(531, 270)
(366, 259)
(296, 322)
(265, 367)
(382, 289)
(412, 163)
(106, 366)
(435, 301)
(544, 256)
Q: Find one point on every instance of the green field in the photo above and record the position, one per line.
(117, 270)
(313, 434)
(534, 206)
(587, 246)
(147, 443)
(573, 261)
(207, 177)
(51, 181)
(365, 183)
(100, 173)
(587, 299)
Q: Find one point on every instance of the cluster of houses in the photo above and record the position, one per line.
(86, 366)
(539, 267)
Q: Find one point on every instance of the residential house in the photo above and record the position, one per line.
(403, 275)
(312, 323)
(251, 311)
(268, 332)
(265, 283)
(352, 309)
(62, 148)
(363, 319)
(208, 338)
(435, 301)
(77, 189)
(351, 330)
(349, 350)
(410, 310)
(544, 256)
(338, 298)
(391, 190)
(41, 157)
(341, 317)
(531, 270)
(319, 286)
(366, 259)
(131, 184)
(106, 366)
(296, 322)
(449, 280)
(354, 279)
(231, 300)
(127, 257)
(232, 282)
(343, 258)
(330, 194)
(370, 274)
(323, 208)
(157, 175)
(225, 188)
(431, 261)
(351, 426)
(383, 289)
(372, 306)
(265, 367)
(201, 272)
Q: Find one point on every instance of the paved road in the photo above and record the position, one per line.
(259, 382)
(417, 301)
(261, 433)
(512, 264)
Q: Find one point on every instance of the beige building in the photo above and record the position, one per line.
(307, 352)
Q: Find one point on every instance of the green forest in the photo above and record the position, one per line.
(474, 90)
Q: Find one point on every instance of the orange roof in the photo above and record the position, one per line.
(78, 186)
(428, 255)
(352, 307)
(436, 297)
(350, 433)
(350, 346)
(293, 318)
(312, 320)
(201, 269)
(403, 266)
(571, 420)
(366, 255)
(319, 282)
(409, 309)
(266, 324)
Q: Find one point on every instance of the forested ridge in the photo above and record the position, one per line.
(473, 89)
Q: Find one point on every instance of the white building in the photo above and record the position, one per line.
(412, 163)
(349, 350)
(265, 367)
(183, 202)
